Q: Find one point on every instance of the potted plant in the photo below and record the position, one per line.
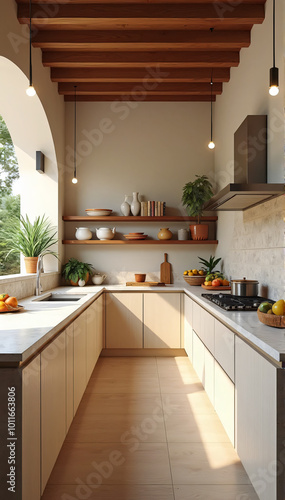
(31, 239)
(74, 270)
(195, 195)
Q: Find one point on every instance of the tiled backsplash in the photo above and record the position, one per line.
(257, 249)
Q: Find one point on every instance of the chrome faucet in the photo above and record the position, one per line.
(39, 270)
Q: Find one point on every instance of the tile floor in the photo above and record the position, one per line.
(146, 430)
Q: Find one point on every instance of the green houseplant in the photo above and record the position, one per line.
(74, 270)
(31, 239)
(194, 196)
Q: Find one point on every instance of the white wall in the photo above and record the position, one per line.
(152, 148)
(252, 242)
(34, 123)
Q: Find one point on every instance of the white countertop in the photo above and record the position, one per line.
(23, 333)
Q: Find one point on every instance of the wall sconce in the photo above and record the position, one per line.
(40, 162)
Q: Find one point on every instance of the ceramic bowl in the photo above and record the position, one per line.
(140, 278)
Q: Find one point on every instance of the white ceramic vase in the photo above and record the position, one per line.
(125, 207)
(135, 205)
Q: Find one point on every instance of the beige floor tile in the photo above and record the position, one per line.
(207, 463)
(195, 429)
(184, 372)
(118, 428)
(138, 384)
(113, 463)
(109, 492)
(214, 492)
(176, 386)
(119, 404)
(129, 367)
(172, 361)
(196, 403)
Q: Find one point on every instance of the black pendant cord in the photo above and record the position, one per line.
(273, 24)
(75, 118)
(31, 69)
(211, 107)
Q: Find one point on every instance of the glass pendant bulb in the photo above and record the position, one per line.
(211, 145)
(273, 90)
(74, 180)
(31, 91)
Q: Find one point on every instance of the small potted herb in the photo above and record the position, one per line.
(74, 270)
(195, 195)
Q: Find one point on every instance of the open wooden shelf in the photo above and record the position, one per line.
(118, 218)
(140, 242)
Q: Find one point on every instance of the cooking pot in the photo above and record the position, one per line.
(244, 287)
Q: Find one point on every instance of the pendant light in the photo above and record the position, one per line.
(273, 85)
(31, 90)
(211, 144)
(74, 180)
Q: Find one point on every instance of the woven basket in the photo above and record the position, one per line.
(194, 280)
(271, 319)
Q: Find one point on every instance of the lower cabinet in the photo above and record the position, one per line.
(224, 401)
(31, 429)
(162, 317)
(80, 358)
(53, 404)
(188, 331)
(124, 320)
(199, 357)
(256, 420)
(69, 375)
(98, 305)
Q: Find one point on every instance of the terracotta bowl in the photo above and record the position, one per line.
(140, 278)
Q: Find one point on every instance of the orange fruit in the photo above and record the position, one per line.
(11, 301)
(3, 296)
(3, 306)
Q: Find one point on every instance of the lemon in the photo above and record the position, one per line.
(185, 272)
(190, 273)
(195, 271)
(278, 307)
(201, 272)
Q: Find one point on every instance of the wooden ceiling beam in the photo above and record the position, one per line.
(154, 87)
(140, 98)
(146, 16)
(139, 74)
(141, 59)
(76, 2)
(130, 40)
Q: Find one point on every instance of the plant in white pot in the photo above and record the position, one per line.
(195, 195)
(31, 239)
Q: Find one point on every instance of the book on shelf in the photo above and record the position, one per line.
(153, 208)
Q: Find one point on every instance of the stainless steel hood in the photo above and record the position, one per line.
(236, 197)
(250, 186)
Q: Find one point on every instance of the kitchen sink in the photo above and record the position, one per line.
(59, 297)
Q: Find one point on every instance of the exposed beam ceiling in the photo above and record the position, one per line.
(162, 50)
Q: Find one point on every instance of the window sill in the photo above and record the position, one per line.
(12, 278)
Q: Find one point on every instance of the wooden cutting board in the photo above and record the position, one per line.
(165, 271)
(144, 283)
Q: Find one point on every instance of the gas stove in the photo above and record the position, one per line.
(234, 302)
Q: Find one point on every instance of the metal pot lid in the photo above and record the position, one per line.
(244, 280)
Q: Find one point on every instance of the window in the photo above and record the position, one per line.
(9, 199)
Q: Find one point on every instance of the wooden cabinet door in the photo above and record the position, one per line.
(209, 384)
(225, 348)
(162, 318)
(207, 330)
(225, 401)
(53, 403)
(31, 438)
(188, 321)
(256, 389)
(99, 305)
(90, 339)
(69, 375)
(80, 372)
(124, 327)
(199, 357)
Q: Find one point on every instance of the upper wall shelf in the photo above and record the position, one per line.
(117, 218)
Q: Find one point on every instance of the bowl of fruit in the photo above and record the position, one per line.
(272, 314)
(194, 277)
(8, 304)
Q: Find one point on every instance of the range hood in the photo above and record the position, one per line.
(250, 186)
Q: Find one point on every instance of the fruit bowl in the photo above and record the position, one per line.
(271, 319)
(194, 280)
